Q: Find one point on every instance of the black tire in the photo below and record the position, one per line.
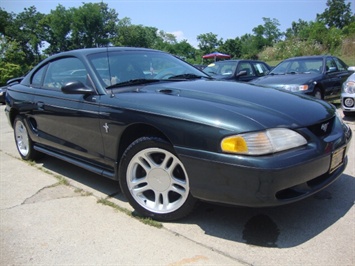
(317, 93)
(154, 180)
(348, 113)
(23, 141)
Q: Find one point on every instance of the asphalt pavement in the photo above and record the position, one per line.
(50, 214)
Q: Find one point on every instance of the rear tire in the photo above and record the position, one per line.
(23, 141)
(154, 180)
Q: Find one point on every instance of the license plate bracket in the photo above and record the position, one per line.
(337, 159)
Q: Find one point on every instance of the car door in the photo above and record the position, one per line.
(342, 75)
(68, 123)
(333, 78)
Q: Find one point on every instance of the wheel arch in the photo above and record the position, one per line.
(321, 89)
(13, 113)
(136, 131)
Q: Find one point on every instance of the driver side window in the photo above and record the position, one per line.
(245, 66)
(330, 65)
(64, 70)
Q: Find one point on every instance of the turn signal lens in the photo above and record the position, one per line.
(234, 144)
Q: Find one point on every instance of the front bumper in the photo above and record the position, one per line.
(348, 102)
(266, 180)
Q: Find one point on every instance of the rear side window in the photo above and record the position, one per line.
(340, 64)
(38, 76)
(260, 68)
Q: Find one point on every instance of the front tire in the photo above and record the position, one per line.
(23, 141)
(318, 94)
(154, 180)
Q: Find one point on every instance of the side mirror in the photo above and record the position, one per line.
(351, 68)
(241, 73)
(77, 87)
(331, 69)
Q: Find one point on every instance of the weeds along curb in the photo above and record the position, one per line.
(104, 201)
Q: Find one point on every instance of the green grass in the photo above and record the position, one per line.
(144, 220)
(349, 60)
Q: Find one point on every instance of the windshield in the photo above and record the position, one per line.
(224, 69)
(124, 68)
(301, 66)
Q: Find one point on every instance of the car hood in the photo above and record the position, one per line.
(277, 80)
(229, 105)
(215, 76)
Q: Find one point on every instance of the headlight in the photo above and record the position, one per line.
(295, 87)
(349, 87)
(263, 142)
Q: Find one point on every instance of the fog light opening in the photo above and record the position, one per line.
(349, 102)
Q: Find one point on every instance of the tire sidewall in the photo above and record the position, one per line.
(31, 155)
(137, 146)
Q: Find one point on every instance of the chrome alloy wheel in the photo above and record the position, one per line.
(21, 138)
(157, 180)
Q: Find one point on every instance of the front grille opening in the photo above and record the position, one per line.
(288, 193)
(301, 189)
(322, 129)
(318, 180)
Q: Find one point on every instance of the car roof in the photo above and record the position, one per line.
(308, 57)
(235, 61)
(87, 51)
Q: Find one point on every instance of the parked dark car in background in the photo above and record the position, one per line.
(3, 89)
(237, 70)
(172, 135)
(200, 67)
(319, 76)
(348, 96)
(2, 94)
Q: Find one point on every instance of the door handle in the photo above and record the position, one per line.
(40, 105)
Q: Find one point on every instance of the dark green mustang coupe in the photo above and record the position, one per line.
(171, 135)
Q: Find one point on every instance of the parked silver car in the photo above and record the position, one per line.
(348, 96)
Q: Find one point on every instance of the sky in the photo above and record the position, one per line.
(187, 19)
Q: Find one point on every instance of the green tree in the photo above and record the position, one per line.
(12, 61)
(135, 35)
(267, 34)
(232, 47)
(296, 29)
(57, 28)
(338, 14)
(185, 50)
(93, 25)
(208, 42)
(25, 29)
(5, 20)
(249, 46)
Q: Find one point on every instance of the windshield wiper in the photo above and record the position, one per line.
(132, 82)
(187, 76)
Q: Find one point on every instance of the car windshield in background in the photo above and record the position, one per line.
(241, 70)
(225, 69)
(298, 67)
(120, 69)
